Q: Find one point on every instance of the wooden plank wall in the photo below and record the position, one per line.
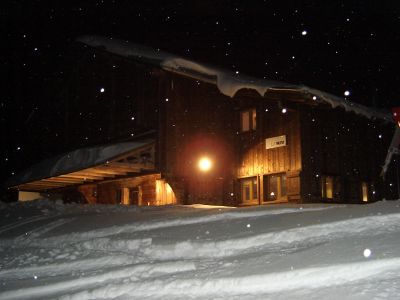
(255, 160)
(198, 121)
(89, 191)
(164, 193)
(107, 191)
(349, 147)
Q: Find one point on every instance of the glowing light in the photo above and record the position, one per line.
(367, 252)
(102, 90)
(347, 93)
(304, 32)
(284, 110)
(204, 164)
(314, 98)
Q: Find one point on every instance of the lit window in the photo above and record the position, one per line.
(327, 187)
(248, 120)
(364, 191)
(275, 187)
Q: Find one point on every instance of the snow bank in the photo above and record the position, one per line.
(50, 250)
(254, 286)
(227, 82)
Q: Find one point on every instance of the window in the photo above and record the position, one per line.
(364, 191)
(249, 190)
(327, 187)
(275, 187)
(248, 120)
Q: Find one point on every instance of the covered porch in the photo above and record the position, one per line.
(122, 173)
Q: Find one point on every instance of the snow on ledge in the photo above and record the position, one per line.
(227, 82)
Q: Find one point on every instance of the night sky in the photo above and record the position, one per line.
(335, 46)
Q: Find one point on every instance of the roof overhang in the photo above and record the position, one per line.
(227, 82)
(88, 165)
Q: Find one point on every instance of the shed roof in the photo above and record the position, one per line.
(228, 83)
(87, 165)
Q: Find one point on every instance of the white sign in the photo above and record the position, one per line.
(275, 142)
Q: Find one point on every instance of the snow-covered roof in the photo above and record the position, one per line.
(228, 82)
(76, 160)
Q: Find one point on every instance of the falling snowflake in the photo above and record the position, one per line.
(367, 252)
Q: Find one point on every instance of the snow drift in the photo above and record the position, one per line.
(51, 250)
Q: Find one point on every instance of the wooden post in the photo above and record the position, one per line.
(125, 196)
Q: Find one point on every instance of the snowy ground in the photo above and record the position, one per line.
(50, 250)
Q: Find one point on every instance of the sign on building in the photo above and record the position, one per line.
(275, 142)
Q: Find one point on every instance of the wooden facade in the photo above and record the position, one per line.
(140, 190)
(348, 149)
(279, 148)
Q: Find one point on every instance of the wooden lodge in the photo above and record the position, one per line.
(203, 135)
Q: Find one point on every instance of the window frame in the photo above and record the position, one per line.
(281, 182)
(251, 118)
(250, 183)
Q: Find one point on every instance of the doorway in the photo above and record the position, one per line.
(275, 188)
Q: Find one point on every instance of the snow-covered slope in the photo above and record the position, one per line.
(50, 250)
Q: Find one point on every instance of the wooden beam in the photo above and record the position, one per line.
(41, 183)
(108, 171)
(81, 177)
(124, 169)
(31, 188)
(38, 186)
(93, 173)
(130, 167)
(62, 180)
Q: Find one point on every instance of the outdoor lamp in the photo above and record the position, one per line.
(204, 164)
